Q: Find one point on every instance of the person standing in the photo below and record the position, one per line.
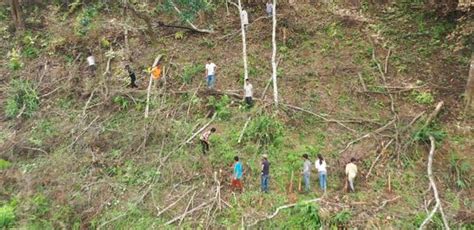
(210, 73)
(306, 172)
(204, 139)
(132, 76)
(265, 173)
(156, 73)
(320, 165)
(248, 88)
(244, 17)
(237, 176)
(351, 172)
(269, 9)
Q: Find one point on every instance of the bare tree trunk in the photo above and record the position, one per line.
(274, 64)
(16, 15)
(469, 94)
(244, 42)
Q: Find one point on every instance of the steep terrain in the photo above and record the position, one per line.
(77, 152)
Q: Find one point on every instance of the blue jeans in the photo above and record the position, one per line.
(211, 79)
(264, 182)
(322, 180)
(306, 182)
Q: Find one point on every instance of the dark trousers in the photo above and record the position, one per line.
(132, 82)
(249, 101)
(205, 147)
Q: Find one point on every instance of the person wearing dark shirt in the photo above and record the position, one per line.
(132, 76)
(265, 173)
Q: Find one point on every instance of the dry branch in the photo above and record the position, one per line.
(281, 208)
(376, 159)
(243, 130)
(199, 207)
(433, 186)
(201, 129)
(367, 135)
(189, 22)
(174, 203)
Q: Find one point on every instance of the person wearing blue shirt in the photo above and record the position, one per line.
(237, 176)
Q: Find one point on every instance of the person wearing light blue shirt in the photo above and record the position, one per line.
(238, 173)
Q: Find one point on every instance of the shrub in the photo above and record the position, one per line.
(266, 131)
(304, 216)
(4, 164)
(190, 71)
(221, 107)
(341, 218)
(14, 62)
(7, 216)
(432, 130)
(425, 98)
(23, 99)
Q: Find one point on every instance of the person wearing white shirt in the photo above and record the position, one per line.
(248, 91)
(244, 17)
(351, 172)
(269, 9)
(210, 73)
(320, 165)
(306, 172)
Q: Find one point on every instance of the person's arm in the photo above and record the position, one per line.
(206, 71)
(347, 170)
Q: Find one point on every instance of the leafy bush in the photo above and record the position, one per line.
(84, 20)
(266, 131)
(461, 170)
(121, 101)
(432, 130)
(190, 71)
(23, 98)
(4, 164)
(221, 107)
(14, 62)
(304, 216)
(341, 218)
(7, 216)
(425, 98)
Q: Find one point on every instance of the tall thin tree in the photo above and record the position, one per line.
(244, 41)
(16, 15)
(274, 64)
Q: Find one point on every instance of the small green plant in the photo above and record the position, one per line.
(341, 219)
(29, 50)
(23, 99)
(43, 130)
(434, 130)
(190, 71)
(4, 164)
(461, 170)
(180, 35)
(304, 216)
(122, 102)
(221, 106)
(7, 216)
(424, 98)
(266, 131)
(14, 62)
(207, 43)
(84, 20)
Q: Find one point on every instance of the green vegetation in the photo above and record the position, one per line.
(4, 164)
(7, 216)
(23, 99)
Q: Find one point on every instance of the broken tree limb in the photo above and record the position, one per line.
(433, 186)
(367, 135)
(386, 60)
(187, 207)
(319, 116)
(189, 22)
(147, 107)
(199, 207)
(283, 207)
(244, 42)
(362, 82)
(243, 130)
(175, 202)
(433, 114)
(274, 51)
(376, 159)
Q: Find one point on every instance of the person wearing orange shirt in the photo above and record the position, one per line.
(156, 72)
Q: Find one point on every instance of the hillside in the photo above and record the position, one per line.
(373, 83)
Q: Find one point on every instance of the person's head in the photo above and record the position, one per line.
(265, 156)
(247, 81)
(320, 157)
(236, 158)
(353, 160)
(305, 156)
(127, 67)
(208, 60)
(213, 130)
